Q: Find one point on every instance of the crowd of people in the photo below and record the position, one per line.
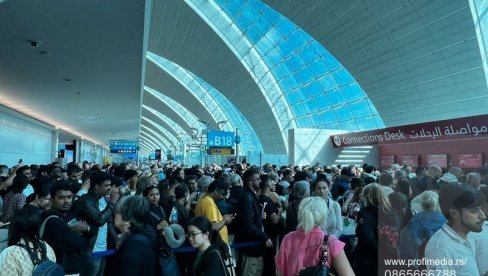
(242, 219)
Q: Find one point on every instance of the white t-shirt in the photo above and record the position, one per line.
(481, 245)
(447, 252)
(101, 242)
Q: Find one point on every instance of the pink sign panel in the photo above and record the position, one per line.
(387, 160)
(437, 159)
(412, 160)
(470, 160)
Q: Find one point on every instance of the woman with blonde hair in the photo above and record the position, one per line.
(377, 232)
(304, 247)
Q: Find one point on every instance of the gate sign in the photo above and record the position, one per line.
(123, 146)
(221, 139)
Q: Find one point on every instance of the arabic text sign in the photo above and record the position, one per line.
(468, 127)
(470, 160)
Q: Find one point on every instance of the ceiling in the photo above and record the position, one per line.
(416, 60)
(85, 75)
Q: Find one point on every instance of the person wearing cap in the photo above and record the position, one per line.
(343, 183)
(450, 250)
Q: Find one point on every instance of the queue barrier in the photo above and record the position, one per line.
(180, 249)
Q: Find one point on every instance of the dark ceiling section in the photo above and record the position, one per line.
(85, 71)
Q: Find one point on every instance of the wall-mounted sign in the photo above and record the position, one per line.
(461, 128)
(437, 159)
(126, 147)
(387, 160)
(411, 159)
(470, 160)
(223, 139)
(220, 151)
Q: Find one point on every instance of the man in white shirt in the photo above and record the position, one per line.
(450, 250)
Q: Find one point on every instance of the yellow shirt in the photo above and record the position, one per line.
(206, 207)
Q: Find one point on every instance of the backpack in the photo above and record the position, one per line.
(43, 266)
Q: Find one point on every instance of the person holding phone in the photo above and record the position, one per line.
(66, 235)
(97, 209)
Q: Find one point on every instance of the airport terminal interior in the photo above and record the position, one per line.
(349, 93)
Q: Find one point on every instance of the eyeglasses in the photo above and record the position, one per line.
(256, 179)
(192, 235)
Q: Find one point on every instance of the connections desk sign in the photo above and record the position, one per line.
(453, 129)
(220, 139)
(123, 146)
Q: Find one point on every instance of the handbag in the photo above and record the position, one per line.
(320, 269)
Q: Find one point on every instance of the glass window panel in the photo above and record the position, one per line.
(342, 77)
(360, 109)
(232, 7)
(328, 82)
(317, 120)
(379, 122)
(353, 91)
(304, 75)
(286, 48)
(322, 101)
(319, 49)
(284, 27)
(349, 125)
(336, 97)
(329, 116)
(308, 54)
(344, 113)
(295, 62)
(331, 62)
(305, 122)
(318, 68)
(313, 89)
(310, 106)
(254, 34)
(265, 45)
(299, 110)
(335, 126)
(291, 98)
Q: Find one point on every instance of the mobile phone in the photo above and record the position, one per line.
(72, 223)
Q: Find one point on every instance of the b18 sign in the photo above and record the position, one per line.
(222, 139)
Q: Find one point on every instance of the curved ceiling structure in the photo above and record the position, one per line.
(416, 60)
(301, 82)
(263, 67)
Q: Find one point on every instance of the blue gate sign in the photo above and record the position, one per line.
(222, 139)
